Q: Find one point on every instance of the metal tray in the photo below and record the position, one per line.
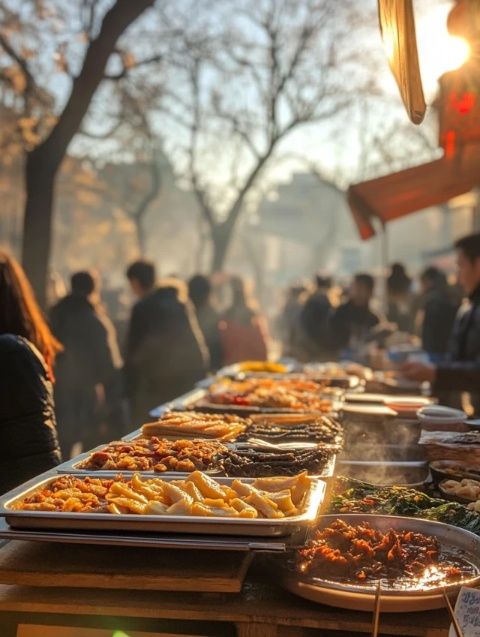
(157, 523)
(71, 466)
(152, 540)
(406, 473)
(196, 400)
(358, 597)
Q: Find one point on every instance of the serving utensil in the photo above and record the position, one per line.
(376, 609)
(451, 612)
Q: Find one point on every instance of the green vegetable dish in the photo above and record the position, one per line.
(353, 496)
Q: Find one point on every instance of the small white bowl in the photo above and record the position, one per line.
(440, 415)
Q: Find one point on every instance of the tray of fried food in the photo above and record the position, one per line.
(150, 455)
(259, 394)
(194, 424)
(196, 504)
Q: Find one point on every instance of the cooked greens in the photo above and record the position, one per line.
(353, 496)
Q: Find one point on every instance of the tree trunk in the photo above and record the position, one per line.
(37, 223)
(141, 238)
(221, 238)
(43, 162)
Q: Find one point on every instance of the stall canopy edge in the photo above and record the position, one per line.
(407, 191)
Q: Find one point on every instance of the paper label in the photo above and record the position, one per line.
(467, 612)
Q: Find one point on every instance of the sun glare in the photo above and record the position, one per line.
(439, 51)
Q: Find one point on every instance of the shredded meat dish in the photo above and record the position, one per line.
(358, 554)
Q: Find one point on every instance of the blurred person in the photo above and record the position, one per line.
(314, 322)
(28, 434)
(288, 320)
(437, 314)
(243, 330)
(200, 293)
(166, 353)
(400, 299)
(464, 348)
(88, 386)
(353, 321)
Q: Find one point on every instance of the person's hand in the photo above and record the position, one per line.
(419, 371)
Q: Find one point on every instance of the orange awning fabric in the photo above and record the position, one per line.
(399, 194)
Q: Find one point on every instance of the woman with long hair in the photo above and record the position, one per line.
(28, 436)
(243, 329)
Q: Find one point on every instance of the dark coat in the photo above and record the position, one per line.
(438, 321)
(91, 357)
(464, 352)
(208, 320)
(28, 437)
(91, 353)
(351, 322)
(166, 352)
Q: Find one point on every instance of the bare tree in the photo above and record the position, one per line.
(43, 161)
(240, 93)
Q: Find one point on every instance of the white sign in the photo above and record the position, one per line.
(467, 612)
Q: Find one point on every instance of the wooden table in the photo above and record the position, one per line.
(260, 609)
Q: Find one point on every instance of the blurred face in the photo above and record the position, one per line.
(468, 272)
(360, 294)
(137, 288)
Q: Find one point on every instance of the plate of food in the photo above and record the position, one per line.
(453, 469)
(256, 395)
(160, 456)
(265, 460)
(193, 424)
(465, 490)
(346, 557)
(293, 428)
(150, 455)
(195, 504)
(352, 496)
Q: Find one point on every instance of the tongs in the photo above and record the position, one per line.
(451, 612)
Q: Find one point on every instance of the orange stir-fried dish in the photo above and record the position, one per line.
(155, 454)
(198, 495)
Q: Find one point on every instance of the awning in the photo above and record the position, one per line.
(399, 194)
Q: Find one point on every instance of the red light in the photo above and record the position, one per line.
(450, 143)
(464, 103)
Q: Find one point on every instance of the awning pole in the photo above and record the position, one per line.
(384, 266)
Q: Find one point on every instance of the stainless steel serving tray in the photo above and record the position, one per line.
(403, 473)
(157, 523)
(71, 466)
(153, 540)
(196, 400)
(362, 597)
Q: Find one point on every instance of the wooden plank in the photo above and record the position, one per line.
(261, 603)
(54, 565)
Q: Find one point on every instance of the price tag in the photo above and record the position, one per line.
(467, 611)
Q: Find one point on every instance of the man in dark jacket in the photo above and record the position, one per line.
(353, 321)
(439, 310)
(88, 370)
(464, 349)
(166, 352)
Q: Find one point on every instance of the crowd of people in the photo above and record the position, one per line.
(72, 368)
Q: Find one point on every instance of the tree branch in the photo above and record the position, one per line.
(114, 77)
(115, 22)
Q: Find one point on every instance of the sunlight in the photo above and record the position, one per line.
(438, 51)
